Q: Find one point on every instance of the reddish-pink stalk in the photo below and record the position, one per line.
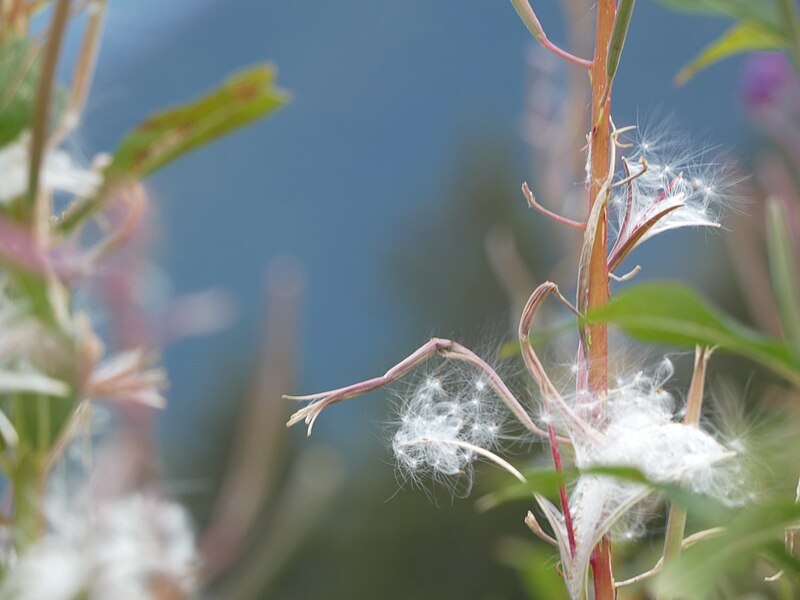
(531, 21)
(556, 217)
(562, 489)
(436, 346)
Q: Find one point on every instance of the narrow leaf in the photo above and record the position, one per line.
(622, 21)
(166, 136)
(672, 313)
(746, 36)
(169, 134)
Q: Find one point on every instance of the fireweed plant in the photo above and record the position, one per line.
(84, 517)
(636, 187)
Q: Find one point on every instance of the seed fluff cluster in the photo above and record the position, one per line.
(664, 186)
(637, 427)
(445, 420)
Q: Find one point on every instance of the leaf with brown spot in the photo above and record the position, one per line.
(174, 132)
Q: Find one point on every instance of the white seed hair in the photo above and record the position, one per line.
(440, 418)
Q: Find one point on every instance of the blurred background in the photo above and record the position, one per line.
(365, 206)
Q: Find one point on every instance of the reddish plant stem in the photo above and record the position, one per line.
(602, 572)
(600, 134)
(562, 490)
(598, 292)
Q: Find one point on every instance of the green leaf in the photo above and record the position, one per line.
(764, 12)
(622, 21)
(757, 530)
(783, 270)
(169, 134)
(166, 136)
(541, 481)
(533, 565)
(547, 482)
(746, 36)
(19, 74)
(672, 313)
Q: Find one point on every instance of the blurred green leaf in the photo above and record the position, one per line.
(746, 36)
(784, 274)
(19, 74)
(672, 313)
(539, 338)
(547, 481)
(540, 481)
(533, 563)
(755, 531)
(764, 12)
(169, 134)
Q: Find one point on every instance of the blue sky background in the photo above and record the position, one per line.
(384, 95)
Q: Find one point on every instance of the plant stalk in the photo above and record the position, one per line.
(41, 120)
(676, 521)
(84, 73)
(598, 290)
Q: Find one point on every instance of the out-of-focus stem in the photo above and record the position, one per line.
(15, 18)
(573, 123)
(84, 72)
(250, 478)
(676, 522)
(41, 118)
(597, 335)
(789, 12)
(509, 268)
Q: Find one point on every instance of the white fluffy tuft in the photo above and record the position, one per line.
(696, 188)
(440, 418)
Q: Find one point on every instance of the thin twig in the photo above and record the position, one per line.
(487, 454)
(556, 217)
(436, 346)
(531, 21)
(533, 525)
(628, 276)
(689, 541)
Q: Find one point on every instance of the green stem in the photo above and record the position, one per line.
(43, 423)
(789, 13)
(27, 499)
(783, 273)
(676, 522)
